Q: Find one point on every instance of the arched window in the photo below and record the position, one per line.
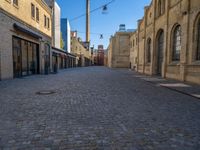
(198, 41)
(160, 7)
(176, 48)
(148, 56)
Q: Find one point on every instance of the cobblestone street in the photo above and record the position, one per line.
(96, 108)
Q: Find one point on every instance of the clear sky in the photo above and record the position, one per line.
(119, 12)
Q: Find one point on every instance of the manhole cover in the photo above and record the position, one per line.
(45, 92)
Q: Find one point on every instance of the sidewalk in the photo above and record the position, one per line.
(179, 86)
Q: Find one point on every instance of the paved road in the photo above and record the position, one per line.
(96, 108)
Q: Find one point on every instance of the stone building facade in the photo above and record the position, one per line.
(100, 55)
(134, 50)
(77, 48)
(25, 35)
(119, 50)
(169, 40)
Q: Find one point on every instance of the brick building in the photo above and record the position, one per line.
(100, 55)
(25, 29)
(119, 49)
(134, 50)
(61, 57)
(168, 38)
(79, 49)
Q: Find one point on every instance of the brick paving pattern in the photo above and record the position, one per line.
(96, 108)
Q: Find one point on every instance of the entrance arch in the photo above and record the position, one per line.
(160, 51)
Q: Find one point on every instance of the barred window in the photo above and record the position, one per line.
(32, 10)
(37, 14)
(176, 43)
(198, 42)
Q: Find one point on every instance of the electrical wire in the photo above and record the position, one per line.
(94, 33)
(102, 6)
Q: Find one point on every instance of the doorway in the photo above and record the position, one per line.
(160, 49)
(25, 58)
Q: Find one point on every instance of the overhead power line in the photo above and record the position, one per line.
(101, 7)
(94, 33)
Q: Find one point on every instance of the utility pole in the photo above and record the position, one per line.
(87, 20)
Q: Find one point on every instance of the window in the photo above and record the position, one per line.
(48, 23)
(176, 43)
(149, 50)
(37, 14)
(45, 21)
(136, 41)
(33, 11)
(133, 43)
(15, 2)
(160, 7)
(198, 42)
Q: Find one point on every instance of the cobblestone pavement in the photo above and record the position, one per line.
(96, 108)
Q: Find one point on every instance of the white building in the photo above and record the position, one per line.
(56, 30)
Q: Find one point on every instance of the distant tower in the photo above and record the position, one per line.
(87, 20)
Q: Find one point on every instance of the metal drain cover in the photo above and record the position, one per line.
(45, 92)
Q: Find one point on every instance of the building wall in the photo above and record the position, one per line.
(110, 51)
(141, 40)
(134, 50)
(10, 15)
(119, 50)
(57, 29)
(180, 12)
(105, 57)
(100, 55)
(23, 13)
(68, 37)
(79, 50)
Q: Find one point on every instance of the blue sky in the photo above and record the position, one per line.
(119, 12)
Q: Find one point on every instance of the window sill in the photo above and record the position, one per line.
(175, 63)
(9, 1)
(160, 16)
(148, 64)
(16, 6)
(196, 63)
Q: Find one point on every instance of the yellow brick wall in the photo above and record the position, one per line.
(184, 13)
(77, 48)
(23, 13)
(133, 50)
